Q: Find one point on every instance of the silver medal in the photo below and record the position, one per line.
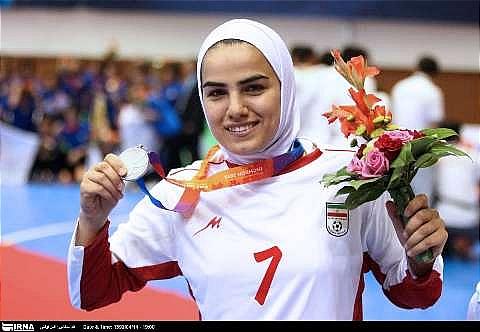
(136, 161)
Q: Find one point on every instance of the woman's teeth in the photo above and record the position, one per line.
(241, 129)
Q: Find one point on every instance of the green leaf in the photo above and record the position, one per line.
(358, 197)
(442, 149)
(345, 190)
(398, 175)
(422, 145)
(439, 133)
(331, 179)
(343, 171)
(426, 160)
(404, 158)
(366, 193)
(356, 184)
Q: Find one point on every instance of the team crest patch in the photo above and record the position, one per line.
(337, 217)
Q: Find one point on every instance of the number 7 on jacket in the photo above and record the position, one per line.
(276, 255)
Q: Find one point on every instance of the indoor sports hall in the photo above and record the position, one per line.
(82, 79)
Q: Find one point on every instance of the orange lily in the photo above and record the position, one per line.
(364, 102)
(364, 118)
(352, 120)
(355, 70)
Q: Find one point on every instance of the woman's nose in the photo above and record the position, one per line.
(236, 107)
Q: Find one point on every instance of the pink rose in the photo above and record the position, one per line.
(375, 164)
(355, 166)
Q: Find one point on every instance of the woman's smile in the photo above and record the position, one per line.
(242, 130)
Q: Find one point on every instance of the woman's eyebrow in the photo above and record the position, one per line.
(216, 84)
(252, 78)
(242, 82)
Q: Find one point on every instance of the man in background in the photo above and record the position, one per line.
(417, 103)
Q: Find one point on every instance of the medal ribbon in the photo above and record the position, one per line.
(237, 175)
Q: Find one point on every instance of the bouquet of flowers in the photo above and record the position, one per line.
(387, 157)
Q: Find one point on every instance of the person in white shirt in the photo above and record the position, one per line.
(418, 103)
(253, 231)
(457, 188)
(473, 310)
(135, 120)
(313, 95)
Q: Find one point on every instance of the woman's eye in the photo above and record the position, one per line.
(254, 88)
(215, 93)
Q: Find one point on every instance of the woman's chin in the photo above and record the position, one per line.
(243, 148)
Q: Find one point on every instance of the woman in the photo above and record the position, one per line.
(270, 242)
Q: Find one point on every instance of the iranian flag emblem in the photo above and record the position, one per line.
(337, 219)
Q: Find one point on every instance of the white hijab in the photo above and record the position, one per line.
(270, 44)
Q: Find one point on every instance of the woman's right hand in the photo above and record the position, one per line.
(100, 190)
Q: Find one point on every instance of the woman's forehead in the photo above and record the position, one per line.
(226, 60)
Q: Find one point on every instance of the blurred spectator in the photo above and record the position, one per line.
(458, 198)
(302, 55)
(169, 123)
(49, 160)
(190, 110)
(326, 59)
(470, 134)
(53, 100)
(136, 121)
(170, 82)
(73, 144)
(103, 121)
(417, 103)
(165, 118)
(314, 96)
(20, 107)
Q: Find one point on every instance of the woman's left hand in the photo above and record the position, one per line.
(424, 230)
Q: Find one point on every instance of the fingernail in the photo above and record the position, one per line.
(122, 171)
(405, 235)
(120, 186)
(409, 253)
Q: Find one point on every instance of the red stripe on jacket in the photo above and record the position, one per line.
(103, 283)
(411, 293)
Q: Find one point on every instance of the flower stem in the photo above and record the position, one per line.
(401, 196)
